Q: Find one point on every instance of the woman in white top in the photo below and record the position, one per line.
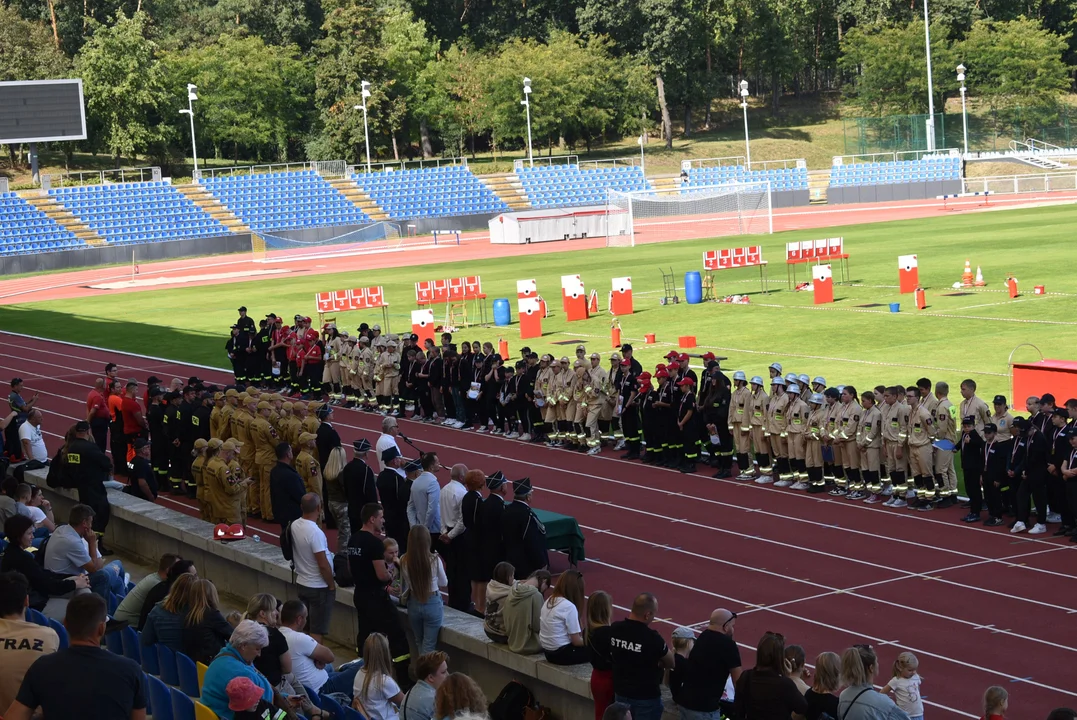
(375, 692)
(424, 575)
(559, 621)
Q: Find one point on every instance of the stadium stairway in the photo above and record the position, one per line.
(818, 182)
(62, 216)
(666, 183)
(356, 196)
(213, 207)
(509, 188)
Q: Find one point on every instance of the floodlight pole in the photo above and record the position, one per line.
(642, 166)
(930, 86)
(744, 107)
(964, 111)
(189, 112)
(366, 127)
(526, 102)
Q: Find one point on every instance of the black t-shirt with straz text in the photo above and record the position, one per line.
(636, 649)
(96, 685)
(364, 549)
(710, 661)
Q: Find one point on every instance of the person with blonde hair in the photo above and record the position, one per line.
(335, 495)
(205, 629)
(559, 621)
(905, 686)
(996, 703)
(820, 696)
(458, 694)
(859, 701)
(597, 639)
(375, 693)
(424, 575)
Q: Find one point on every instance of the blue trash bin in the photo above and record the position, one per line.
(502, 314)
(693, 288)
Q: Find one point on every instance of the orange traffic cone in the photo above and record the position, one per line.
(966, 277)
(1011, 284)
(979, 277)
(592, 304)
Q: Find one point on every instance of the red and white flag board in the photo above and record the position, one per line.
(621, 299)
(526, 289)
(422, 324)
(908, 274)
(822, 283)
(573, 298)
(529, 311)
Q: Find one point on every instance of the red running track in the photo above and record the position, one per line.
(977, 606)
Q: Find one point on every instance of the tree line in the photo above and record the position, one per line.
(279, 79)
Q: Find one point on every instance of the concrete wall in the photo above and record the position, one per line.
(121, 254)
(844, 194)
(243, 568)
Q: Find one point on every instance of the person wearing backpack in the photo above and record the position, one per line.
(859, 701)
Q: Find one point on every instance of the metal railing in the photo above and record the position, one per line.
(894, 156)
(783, 164)
(549, 161)
(103, 177)
(712, 162)
(631, 161)
(1029, 183)
(240, 170)
(398, 165)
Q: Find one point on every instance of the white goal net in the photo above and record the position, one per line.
(688, 212)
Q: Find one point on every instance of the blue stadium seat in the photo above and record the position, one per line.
(443, 192)
(25, 229)
(276, 201)
(569, 185)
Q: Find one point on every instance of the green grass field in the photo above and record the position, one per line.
(855, 340)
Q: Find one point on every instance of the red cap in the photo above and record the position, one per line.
(710, 356)
(644, 377)
(306, 320)
(626, 363)
(686, 381)
(659, 366)
(661, 374)
(672, 355)
(683, 357)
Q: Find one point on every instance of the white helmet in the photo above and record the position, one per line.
(819, 381)
(791, 377)
(777, 367)
(779, 380)
(817, 398)
(793, 388)
(803, 380)
(756, 380)
(739, 375)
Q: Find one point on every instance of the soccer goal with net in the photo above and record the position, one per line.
(323, 243)
(688, 212)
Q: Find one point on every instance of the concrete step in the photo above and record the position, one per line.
(213, 207)
(358, 197)
(62, 216)
(509, 189)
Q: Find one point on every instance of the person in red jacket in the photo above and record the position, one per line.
(312, 362)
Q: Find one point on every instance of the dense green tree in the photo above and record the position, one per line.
(27, 51)
(124, 87)
(407, 52)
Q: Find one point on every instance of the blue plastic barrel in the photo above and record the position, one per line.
(502, 315)
(895, 307)
(693, 288)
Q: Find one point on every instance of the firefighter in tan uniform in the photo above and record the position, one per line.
(576, 407)
(364, 372)
(311, 422)
(972, 406)
(760, 439)
(1003, 420)
(849, 414)
(598, 380)
(384, 376)
(225, 490)
(197, 464)
(945, 430)
(231, 404)
(557, 401)
(290, 425)
(264, 439)
(618, 379)
(332, 369)
(816, 435)
(776, 429)
(921, 435)
(740, 426)
(895, 416)
(833, 469)
(797, 413)
(869, 440)
(241, 431)
(230, 456)
(216, 415)
(307, 465)
(540, 393)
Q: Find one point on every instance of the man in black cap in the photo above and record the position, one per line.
(236, 349)
(260, 373)
(359, 489)
(972, 465)
(159, 443)
(996, 481)
(188, 432)
(394, 489)
(142, 483)
(523, 536)
(328, 437)
(87, 470)
(245, 323)
(490, 513)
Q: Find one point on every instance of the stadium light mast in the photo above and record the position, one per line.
(930, 87)
(191, 97)
(642, 166)
(526, 102)
(964, 112)
(366, 128)
(744, 107)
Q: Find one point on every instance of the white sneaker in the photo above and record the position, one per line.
(594, 451)
(872, 499)
(1038, 529)
(1018, 527)
(799, 485)
(482, 429)
(448, 421)
(526, 437)
(899, 503)
(764, 479)
(1053, 517)
(620, 445)
(783, 483)
(513, 435)
(889, 502)
(459, 424)
(887, 491)
(910, 494)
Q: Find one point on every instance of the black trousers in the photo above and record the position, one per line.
(1034, 488)
(973, 486)
(568, 655)
(1071, 503)
(426, 402)
(119, 448)
(1056, 497)
(99, 429)
(96, 498)
(993, 495)
(377, 614)
(454, 555)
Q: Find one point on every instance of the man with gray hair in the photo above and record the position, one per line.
(449, 546)
(387, 439)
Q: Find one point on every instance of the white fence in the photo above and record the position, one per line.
(1030, 183)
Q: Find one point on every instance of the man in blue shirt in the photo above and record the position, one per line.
(424, 507)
